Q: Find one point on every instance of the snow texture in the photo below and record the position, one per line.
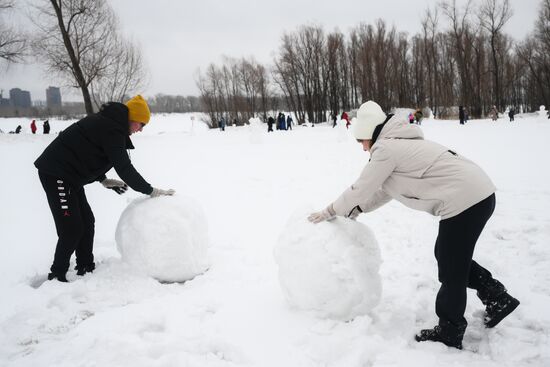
(164, 237)
(235, 314)
(330, 268)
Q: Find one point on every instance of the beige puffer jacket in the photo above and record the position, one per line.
(419, 173)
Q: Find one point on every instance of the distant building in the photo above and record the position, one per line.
(20, 98)
(53, 97)
(4, 102)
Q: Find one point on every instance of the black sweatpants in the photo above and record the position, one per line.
(74, 222)
(454, 249)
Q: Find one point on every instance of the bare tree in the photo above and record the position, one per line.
(493, 15)
(12, 43)
(78, 40)
(534, 53)
(459, 29)
(124, 75)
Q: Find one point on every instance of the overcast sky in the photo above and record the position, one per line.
(179, 37)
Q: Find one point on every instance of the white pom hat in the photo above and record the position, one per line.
(369, 116)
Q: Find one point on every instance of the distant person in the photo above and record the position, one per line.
(411, 118)
(46, 127)
(493, 113)
(511, 114)
(461, 115)
(281, 121)
(427, 176)
(221, 124)
(270, 122)
(334, 119)
(466, 115)
(18, 129)
(289, 122)
(78, 156)
(418, 115)
(33, 126)
(346, 117)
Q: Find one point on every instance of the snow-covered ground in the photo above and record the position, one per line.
(249, 183)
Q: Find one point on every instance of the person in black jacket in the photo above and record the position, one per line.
(82, 154)
(46, 127)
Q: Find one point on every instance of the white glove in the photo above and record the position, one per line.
(160, 192)
(325, 214)
(116, 185)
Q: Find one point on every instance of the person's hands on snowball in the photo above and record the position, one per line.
(323, 215)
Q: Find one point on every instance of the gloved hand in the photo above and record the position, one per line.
(116, 185)
(160, 192)
(325, 214)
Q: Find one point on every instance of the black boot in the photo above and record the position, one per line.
(445, 333)
(59, 276)
(496, 310)
(83, 269)
(498, 303)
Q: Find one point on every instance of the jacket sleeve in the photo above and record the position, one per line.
(113, 146)
(366, 191)
(380, 198)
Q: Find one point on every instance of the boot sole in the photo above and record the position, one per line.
(502, 315)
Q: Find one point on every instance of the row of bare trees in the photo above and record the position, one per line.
(237, 90)
(164, 103)
(461, 56)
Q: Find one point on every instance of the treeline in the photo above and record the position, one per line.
(161, 103)
(236, 90)
(461, 56)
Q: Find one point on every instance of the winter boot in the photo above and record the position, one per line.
(445, 333)
(83, 269)
(496, 310)
(59, 276)
(498, 303)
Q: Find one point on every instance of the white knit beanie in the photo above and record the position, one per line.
(369, 116)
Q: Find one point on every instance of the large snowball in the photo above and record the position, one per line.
(330, 268)
(165, 237)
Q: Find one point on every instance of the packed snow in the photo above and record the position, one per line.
(249, 184)
(330, 268)
(164, 237)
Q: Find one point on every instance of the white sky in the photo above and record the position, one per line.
(179, 37)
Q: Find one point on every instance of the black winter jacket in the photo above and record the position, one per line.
(87, 149)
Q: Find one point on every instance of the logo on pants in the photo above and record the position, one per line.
(63, 198)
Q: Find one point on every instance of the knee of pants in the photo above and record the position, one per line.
(72, 234)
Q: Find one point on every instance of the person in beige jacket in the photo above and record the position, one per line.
(427, 176)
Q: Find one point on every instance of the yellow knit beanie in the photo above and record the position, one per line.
(138, 110)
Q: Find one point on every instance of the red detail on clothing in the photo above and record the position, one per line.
(66, 213)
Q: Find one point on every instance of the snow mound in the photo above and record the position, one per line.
(164, 237)
(330, 268)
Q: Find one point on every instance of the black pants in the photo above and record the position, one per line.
(74, 222)
(454, 249)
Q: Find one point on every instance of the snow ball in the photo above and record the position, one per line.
(256, 128)
(330, 268)
(165, 237)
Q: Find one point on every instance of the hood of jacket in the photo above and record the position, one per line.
(398, 127)
(118, 113)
